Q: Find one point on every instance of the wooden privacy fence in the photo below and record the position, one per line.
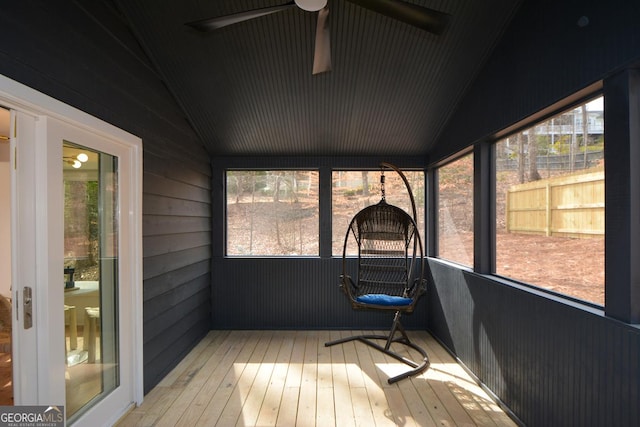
(567, 206)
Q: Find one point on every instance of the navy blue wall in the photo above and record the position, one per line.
(543, 57)
(290, 293)
(82, 54)
(552, 361)
(299, 293)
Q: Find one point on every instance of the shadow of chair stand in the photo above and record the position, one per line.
(390, 272)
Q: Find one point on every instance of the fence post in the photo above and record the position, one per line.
(507, 226)
(548, 208)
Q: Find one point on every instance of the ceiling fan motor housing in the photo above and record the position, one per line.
(311, 5)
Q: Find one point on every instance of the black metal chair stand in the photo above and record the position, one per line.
(389, 339)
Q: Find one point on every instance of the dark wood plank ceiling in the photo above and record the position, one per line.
(247, 89)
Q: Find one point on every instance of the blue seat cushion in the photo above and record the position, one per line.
(383, 299)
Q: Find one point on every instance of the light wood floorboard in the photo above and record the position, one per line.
(289, 378)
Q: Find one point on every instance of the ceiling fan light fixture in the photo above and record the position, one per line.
(311, 5)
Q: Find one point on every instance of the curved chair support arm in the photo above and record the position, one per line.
(414, 211)
(406, 183)
(344, 251)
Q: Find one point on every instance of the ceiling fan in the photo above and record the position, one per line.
(424, 18)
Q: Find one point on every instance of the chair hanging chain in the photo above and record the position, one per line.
(382, 184)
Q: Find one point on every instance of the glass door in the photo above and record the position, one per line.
(91, 220)
(77, 280)
(89, 296)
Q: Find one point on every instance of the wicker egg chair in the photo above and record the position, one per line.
(390, 272)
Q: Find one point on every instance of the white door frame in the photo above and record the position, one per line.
(35, 106)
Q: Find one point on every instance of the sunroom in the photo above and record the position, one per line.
(518, 123)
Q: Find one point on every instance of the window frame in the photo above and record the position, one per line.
(225, 221)
(489, 266)
(484, 196)
(435, 252)
(421, 212)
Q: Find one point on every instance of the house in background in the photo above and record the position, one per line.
(200, 105)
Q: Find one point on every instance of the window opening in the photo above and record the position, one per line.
(455, 210)
(550, 203)
(272, 213)
(354, 190)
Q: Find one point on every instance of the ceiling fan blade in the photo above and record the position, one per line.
(322, 54)
(422, 17)
(211, 24)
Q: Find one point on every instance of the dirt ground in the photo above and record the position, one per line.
(573, 267)
(569, 266)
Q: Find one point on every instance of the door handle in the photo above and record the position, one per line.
(27, 304)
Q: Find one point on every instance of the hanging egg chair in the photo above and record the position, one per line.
(390, 273)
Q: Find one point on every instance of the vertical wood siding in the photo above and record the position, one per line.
(292, 293)
(289, 292)
(552, 362)
(83, 54)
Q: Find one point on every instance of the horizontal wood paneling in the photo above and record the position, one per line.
(159, 224)
(160, 185)
(158, 285)
(89, 59)
(161, 205)
(83, 53)
(171, 305)
(165, 166)
(174, 155)
(163, 264)
(168, 243)
(552, 362)
(174, 337)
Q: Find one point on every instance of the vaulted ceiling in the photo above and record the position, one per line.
(248, 88)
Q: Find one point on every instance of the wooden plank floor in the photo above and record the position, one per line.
(289, 378)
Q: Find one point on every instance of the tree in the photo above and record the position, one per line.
(520, 143)
(533, 155)
(585, 134)
(365, 183)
